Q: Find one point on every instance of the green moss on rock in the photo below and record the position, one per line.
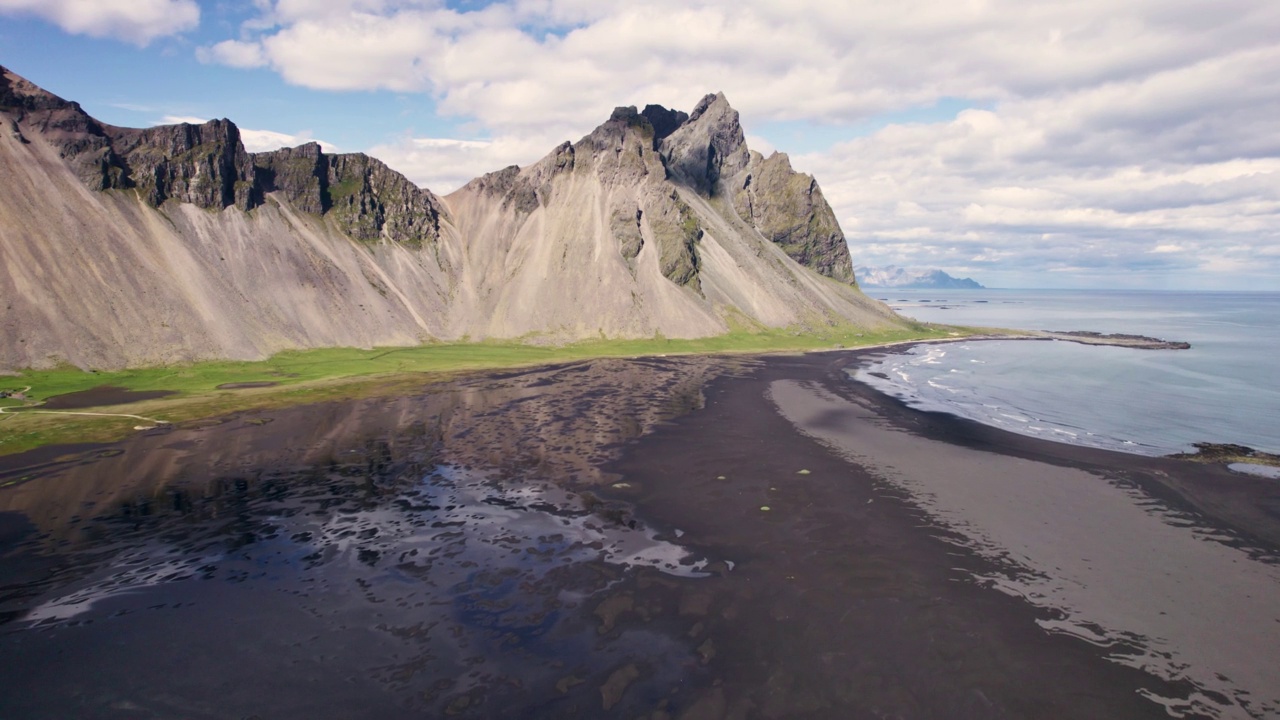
(368, 200)
(624, 223)
(788, 208)
(676, 231)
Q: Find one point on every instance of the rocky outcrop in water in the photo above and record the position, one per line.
(1140, 342)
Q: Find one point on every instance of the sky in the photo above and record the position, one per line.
(1073, 143)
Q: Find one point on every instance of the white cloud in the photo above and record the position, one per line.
(256, 140)
(179, 119)
(443, 164)
(233, 53)
(1106, 130)
(264, 140)
(135, 21)
(1169, 173)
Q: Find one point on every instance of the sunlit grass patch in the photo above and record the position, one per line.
(307, 376)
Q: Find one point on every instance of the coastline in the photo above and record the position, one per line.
(848, 597)
(109, 405)
(1240, 503)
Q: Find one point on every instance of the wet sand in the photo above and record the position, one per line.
(590, 540)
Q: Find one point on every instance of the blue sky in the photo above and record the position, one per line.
(1049, 144)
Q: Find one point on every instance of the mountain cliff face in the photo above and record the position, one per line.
(788, 208)
(368, 200)
(124, 246)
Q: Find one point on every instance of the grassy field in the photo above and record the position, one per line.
(326, 374)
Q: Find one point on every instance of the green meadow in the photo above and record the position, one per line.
(338, 373)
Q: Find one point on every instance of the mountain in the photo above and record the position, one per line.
(892, 276)
(123, 246)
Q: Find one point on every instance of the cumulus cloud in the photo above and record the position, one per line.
(264, 140)
(234, 53)
(445, 164)
(256, 140)
(1097, 132)
(135, 21)
(1168, 173)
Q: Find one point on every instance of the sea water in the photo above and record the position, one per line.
(1225, 389)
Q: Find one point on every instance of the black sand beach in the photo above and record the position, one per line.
(683, 538)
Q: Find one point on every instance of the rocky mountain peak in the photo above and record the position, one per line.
(16, 92)
(707, 102)
(79, 139)
(664, 121)
(710, 145)
(207, 165)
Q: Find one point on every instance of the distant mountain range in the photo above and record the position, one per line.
(892, 276)
(122, 246)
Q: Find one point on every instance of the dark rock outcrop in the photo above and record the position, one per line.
(706, 147)
(664, 121)
(371, 201)
(79, 139)
(624, 224)
(676, 230)
(206, 165)
(368, 200)
(788, 208)
(300, 175)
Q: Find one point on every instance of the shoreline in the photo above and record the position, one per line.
(845, 598)
(807, 517)
(222, 397)
(1205, 486)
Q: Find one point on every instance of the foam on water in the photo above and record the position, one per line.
(1152, 402)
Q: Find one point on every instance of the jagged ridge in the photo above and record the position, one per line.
(206, 165)
(657, 222)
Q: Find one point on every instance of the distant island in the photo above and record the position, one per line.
(892, 276)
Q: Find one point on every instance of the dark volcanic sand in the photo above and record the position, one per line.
(101, 396)
(547, 543)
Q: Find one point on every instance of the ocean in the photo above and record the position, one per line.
(1225, 389)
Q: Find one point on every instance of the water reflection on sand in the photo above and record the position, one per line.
(350, 559)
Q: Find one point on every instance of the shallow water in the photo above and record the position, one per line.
(328, 561)
(437, 581)
(1224, 389)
